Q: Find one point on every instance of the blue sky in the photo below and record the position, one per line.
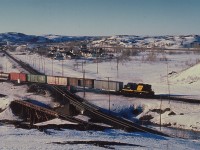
(100, 17)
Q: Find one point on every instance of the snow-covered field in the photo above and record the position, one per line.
(185, 82)
(12, 138)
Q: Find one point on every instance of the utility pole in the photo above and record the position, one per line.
(39, 63)
(32, 61)
(52, 67)
(168, 81)
(97, 62)
(35, 62)
(117, 66)
(108, 93)
(44, 67)
(82, 66)
(160, 111)
(84, 83)
(62, 68)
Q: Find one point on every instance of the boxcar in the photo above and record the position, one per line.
(56, 80)
(4, 76)
(88, 83)
(80, 82)
(21, 77)
(36, 78)
(108, 86)
(73, 81)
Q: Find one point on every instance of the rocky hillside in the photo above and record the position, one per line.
(169, 42)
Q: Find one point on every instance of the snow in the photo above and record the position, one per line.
(6, 112)
(10, 138)
(82, 117)
(190, 75)
(154, 73)
(55, 121)
(86, 118)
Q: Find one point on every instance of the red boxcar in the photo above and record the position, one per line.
(21, 77)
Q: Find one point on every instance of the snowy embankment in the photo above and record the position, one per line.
(188, 76)
(173, 114)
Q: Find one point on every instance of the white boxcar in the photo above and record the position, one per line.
(108, 86)
(56, 80)
(4, 76)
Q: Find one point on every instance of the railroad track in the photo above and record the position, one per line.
(170, 98)
(157, 96)
(105, 117)
(95, 111)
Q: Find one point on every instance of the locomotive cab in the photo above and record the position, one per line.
(131, 86)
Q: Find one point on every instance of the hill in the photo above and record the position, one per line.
(13, 37)
(169, 42)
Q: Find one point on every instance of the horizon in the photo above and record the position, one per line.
(97, 35)
(100, 18)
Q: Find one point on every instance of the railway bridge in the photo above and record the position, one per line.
(32, 113)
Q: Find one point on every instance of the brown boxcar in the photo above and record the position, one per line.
(73, 81)
(56, 80)
(79, 82)
(21, 77)
(88, 83)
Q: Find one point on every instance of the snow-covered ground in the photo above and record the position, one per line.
(184, 82)
(12, 138)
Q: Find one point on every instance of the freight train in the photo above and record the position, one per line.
(131, 89)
